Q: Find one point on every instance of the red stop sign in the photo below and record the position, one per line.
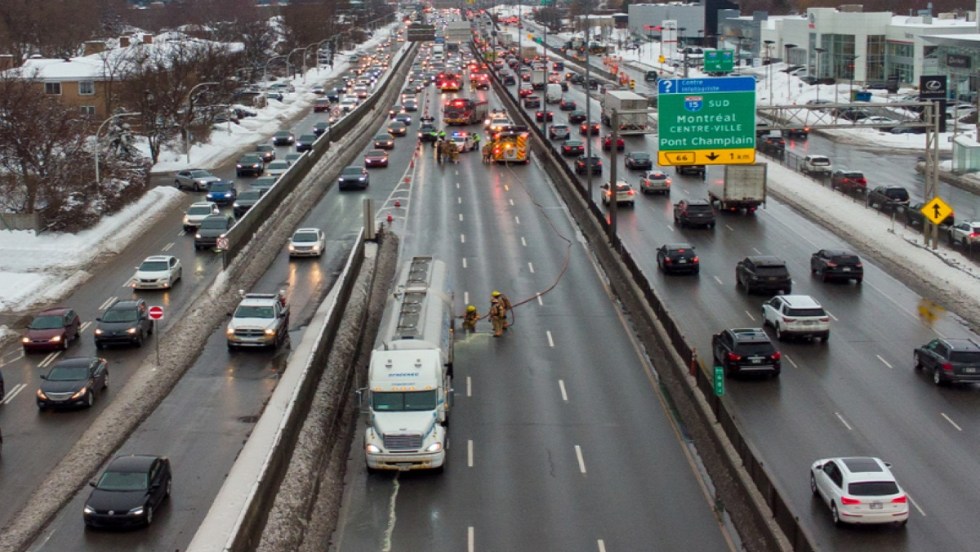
(156, 312)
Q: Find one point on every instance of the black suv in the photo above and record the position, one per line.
(836, 264)
(763, 273)
(678, 257)
(583, 164)
(888, 198)
(745, 350)
(693, 170)
(772, 145)
(125, 322)
(694, 212)
(950, 360)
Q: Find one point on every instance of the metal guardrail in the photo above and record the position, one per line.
(751, 459)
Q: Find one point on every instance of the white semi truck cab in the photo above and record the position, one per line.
(409, 392)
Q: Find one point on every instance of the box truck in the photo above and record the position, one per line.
(624, 101)
(744, 187)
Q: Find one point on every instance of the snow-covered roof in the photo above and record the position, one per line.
(93, 67)
(918, 21)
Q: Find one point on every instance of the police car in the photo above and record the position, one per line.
(462, 140)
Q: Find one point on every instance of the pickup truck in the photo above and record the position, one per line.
(261, 320)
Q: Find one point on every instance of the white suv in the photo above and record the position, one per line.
(859, 490)
(816, 164)
(796, 316)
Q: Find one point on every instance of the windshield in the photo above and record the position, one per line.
(200, 174)
(404, 401)
(68, 373)
(122, 481)
(352, 171)
(220, 187)
(304, 237)
(750, 349)
(203, 210)
(254, 311)
(249, 195)
(153, 266)
(46, 323)
(127, 314)
(214, 224)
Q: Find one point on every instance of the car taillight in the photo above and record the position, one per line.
(831, 264)
(668, 260)
(947, 367)
(825, 319)
(631, 192)
(974, 234)
(900, 499)
(846, 500)
(859, 265)
(777, 355)
(733, 356)
(788, 320)
(695, 260)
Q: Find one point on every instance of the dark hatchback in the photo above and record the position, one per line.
(745, 350)
(247, 200)
(124, 322)
(678, 257)
(73, 382)
(128, 492)
(836, 264)
(584, 164)
(305, 142)
(573, 148)
(211, 228)
(354, 178)
(51, 329)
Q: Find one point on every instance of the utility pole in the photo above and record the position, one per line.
(613, 187)
(588, 107)
(933, 113)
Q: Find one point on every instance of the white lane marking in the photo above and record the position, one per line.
(730, 229)
(128, 283)
(459, 201)
(523, 241)
(843, 421)
(48, 360)
(470, 539)
(551, 341)
(84, 326)
(457, 185)
(749, 314)
(461, 217)
(671, 228)
(717, 279)
(13, 392)
(182, 233)
(951, 422)
(469, 387)
(883, 361)
(464, 262)
(462, 238)
(469, 453)
(914, 503)
(564, 394)
(831, 315)
(511, 201)
(790, 360)
(386, 542)
(517, 219)
(466, 297)
(530, 266)
(601, 545)
(17, 355)
(540, 301)
(168, 246)
(581, 461)
(106, 303)
(757, 252)
(506, 187)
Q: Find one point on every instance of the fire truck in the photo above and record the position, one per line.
(512, 147)
(448, 82)
(464, 111)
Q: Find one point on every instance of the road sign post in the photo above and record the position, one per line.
(155, 313)
(935, 211)
(719, 381)
(706, 121)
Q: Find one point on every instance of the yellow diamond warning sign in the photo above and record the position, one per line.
(936, 210)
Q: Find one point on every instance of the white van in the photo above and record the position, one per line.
(552, 93)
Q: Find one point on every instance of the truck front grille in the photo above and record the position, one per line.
(403, 442)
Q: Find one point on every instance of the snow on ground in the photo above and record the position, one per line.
(40, 269)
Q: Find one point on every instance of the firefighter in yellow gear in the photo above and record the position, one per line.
(498, 317)
(505, 303)
(470, 319)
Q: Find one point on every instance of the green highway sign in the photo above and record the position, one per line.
(719, 381)
(707, 121)
(719, 61)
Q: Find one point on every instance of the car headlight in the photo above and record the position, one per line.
(131, 331)
(270, 331)
(41, 395)
(138, 511)
(235, 205)
(292, 247)
(98, 331)
(198, 235)
(372, 449)
(80, 393)
(88, 509)
(56, 339)
(25, 339)
(434, 447)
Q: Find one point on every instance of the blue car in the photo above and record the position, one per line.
(222, 192)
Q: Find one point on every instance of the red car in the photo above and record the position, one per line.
(51, 329)
(525, 91)
(544, 116)
(607, 143)
(584, 128)
(376, 158)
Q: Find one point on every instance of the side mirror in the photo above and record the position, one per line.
(44, 377)
(98, 319)
(91, 483)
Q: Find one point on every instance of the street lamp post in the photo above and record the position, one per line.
(789, 77)
(99, 131)
(288, 56)
(265, 69)
(190, 114)
(851, 68)
(680, 44)
(738, 50)
(816, 69)
(588, 104)
(318, 46)
(769, 44)
(306, 52)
